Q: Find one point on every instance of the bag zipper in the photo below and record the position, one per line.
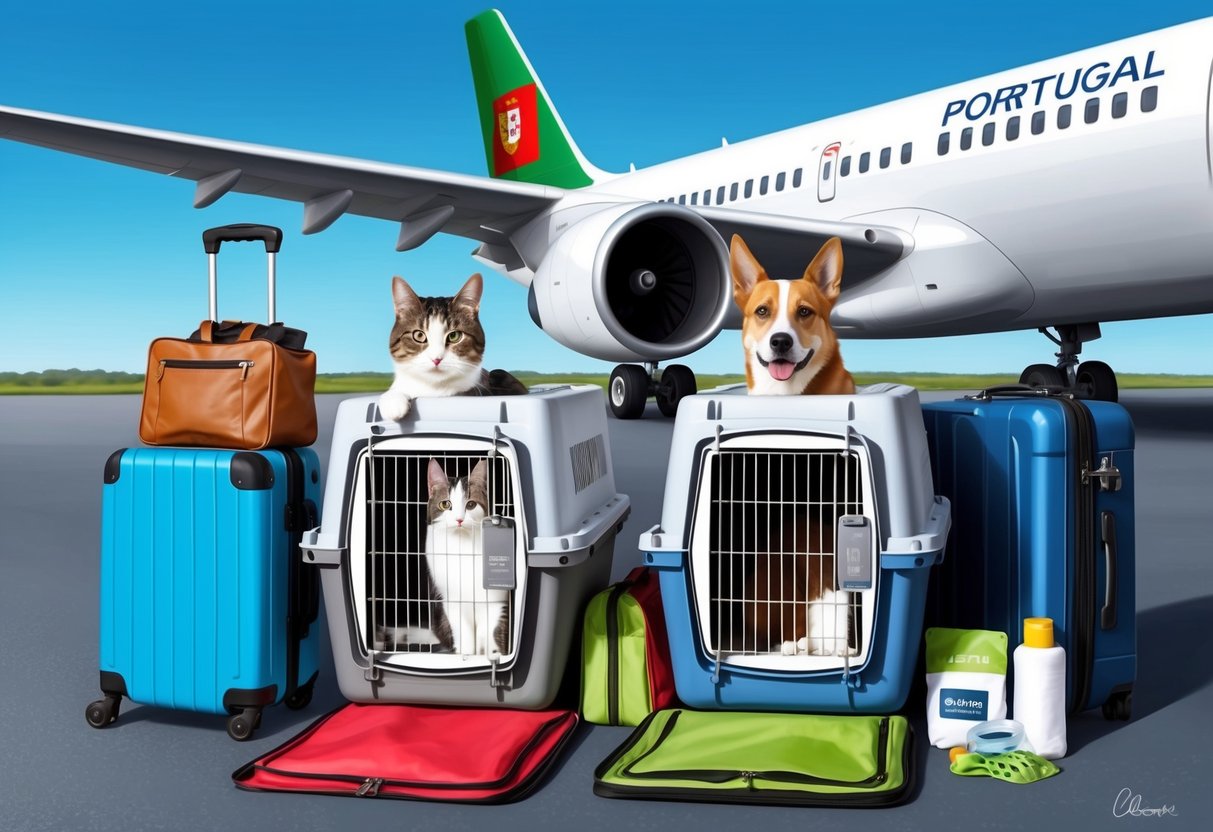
(371, 786)
(187, 364)
(612, 635)
(749, 793)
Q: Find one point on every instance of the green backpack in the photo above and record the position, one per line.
(625, 654)
(730, 757)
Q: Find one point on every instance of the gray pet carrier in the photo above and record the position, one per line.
(515, 583)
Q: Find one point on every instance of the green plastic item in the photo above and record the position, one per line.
(1013, 766)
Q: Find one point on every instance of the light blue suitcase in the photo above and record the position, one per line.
(205, 602)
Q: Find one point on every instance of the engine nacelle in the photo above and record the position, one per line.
(634, 283)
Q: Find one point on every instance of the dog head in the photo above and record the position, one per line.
(786, 328)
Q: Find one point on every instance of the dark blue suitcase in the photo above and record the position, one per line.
(205, 602)
(1042, 525)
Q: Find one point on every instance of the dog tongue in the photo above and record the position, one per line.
(781, 370)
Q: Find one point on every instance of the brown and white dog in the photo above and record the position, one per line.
(790, 347)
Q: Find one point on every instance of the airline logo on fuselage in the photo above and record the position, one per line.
(1059, 86)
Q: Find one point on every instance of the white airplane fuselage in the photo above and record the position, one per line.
(1033, 224)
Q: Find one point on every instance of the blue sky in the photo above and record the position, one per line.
(96, 259)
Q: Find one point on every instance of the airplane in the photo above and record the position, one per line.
(1054, 196)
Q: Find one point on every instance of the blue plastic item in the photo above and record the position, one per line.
(205, 602)
(1042, 526)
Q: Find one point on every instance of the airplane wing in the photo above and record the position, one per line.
(423, 201)
(785, 245)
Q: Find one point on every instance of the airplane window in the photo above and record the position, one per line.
(907, 150)
(762, 185)
(1038, 122)
(733, 193)
(966, 138)
(720, 195)
(707, 197)
(695, 198)
(885, 155)
(780, 180)
(825, 172)
(942, 147)
(1091, 111)
(1012, 128)
(797, 176)
(845, 168)
(864, 160)
(749, 188)
(1063, 117)
(1149, 99)
(682, 199)
(987, 135)
(1120, 104)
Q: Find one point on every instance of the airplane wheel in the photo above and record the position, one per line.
(1095, 380)
(1042, 375)
(677, 382)
(628, 391)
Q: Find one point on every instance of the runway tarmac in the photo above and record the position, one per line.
(157, 769)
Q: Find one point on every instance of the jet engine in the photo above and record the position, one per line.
(631, 282)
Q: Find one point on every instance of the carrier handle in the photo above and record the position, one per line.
(1107, 616)
(212, 238)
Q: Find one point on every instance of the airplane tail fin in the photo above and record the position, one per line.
(524, 137)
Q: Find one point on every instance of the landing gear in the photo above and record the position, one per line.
(631, 385)
(1089, 380)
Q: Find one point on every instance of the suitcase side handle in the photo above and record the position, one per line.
(243, 232)
(1107, 615)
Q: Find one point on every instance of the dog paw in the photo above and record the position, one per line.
(394, 405)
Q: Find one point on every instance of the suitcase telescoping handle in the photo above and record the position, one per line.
(243, 232)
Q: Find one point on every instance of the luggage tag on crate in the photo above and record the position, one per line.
(853, 562)
(499, 553)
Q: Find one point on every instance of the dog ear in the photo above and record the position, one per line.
(747, 271)
(826, 269)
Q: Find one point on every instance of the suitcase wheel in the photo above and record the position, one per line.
(301, 697)
(103, 712)
(241, 726)
(1119, 706)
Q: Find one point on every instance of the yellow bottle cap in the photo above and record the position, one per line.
(1038, 632)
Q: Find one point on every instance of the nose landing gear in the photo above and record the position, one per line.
(631, 385)
(1089, 379)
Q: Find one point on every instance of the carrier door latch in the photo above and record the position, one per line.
(1107, 473)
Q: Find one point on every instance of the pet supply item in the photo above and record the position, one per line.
(625, 654)
(795, 542)
(1040, 688)
(551, 514)
(1041, 486)
(996, 736)
(790, 759)
(966, 682)
(1013, 766)
(205, 603)
(231, 385)
(412, 752)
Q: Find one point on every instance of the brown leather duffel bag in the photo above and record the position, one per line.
(231, 385)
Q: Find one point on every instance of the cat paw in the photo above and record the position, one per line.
(789, 648)
(394, 405)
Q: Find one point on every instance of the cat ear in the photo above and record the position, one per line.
(470, 293)
(436, 476)
(480, 472)
(407, 302)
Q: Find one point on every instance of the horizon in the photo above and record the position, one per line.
(96, 260)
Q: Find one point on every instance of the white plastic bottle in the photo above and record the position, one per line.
(1040, 688)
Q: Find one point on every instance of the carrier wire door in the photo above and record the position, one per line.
(764, 564)
(399, 613)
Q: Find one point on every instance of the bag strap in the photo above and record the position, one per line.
(206, 332)
(246, 334)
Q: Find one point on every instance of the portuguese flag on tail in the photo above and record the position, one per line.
(524, 138)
